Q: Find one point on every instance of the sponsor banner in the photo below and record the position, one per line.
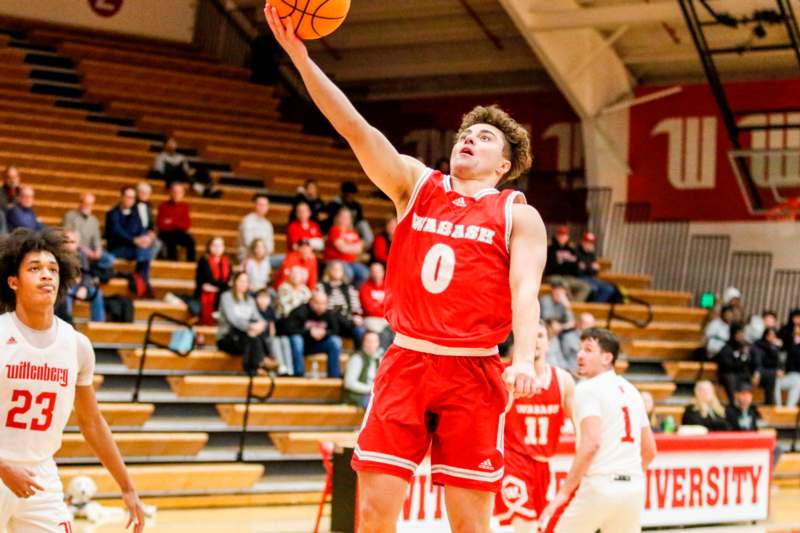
(693, 481)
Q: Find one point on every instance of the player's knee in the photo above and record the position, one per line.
(375, 514)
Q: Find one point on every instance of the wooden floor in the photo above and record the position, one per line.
(300, 519)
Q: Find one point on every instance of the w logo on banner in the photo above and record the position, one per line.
(692, 151)
(781, 168)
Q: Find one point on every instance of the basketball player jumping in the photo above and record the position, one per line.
(46, 370)
(464, 256)
(532, 434)
(614, 445)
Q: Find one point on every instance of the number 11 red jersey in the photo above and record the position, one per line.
(447, 279)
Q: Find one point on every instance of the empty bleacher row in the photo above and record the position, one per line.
(81, 113)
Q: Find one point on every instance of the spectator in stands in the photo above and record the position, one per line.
(758, 323)
(173, 224)
(359, 376)
(343, 299)
(85, 288)
(344, 244)
(589, 268)
(348, 199)
(571, 340)
(732, 297)
(21, 214)
(313, 329)
(790, 336)
(10, 189)
(257, 266)
(303, 258)
(171, 166)
(293, 292)
(126, 236)
(765, 363)
(383, 241)
(556, 306)
(256, 225)
(372, 295)
(562, 265)
(212, 277)
(279, 346)
(147, 214)
(87, 226)
(705, 409)
(3, 225)
(741, 414)
(554, 355)
(309, 193)
(241, 329)
(733, 361)
(650, 409)
(304, 227)
(717, 332)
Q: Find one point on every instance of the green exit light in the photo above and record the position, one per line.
(707, 300)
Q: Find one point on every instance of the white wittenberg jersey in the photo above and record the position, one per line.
(622, 416)
(37, 386)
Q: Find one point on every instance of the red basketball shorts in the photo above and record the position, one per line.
(523, 492)
(453, 405)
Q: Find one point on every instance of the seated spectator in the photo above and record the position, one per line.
(650, 409)
(741, 414)
(241, 329)
(758, 323)
(733, 362)
(732, 297)
(84, 289)
(173, 224)
(556, 306)
(718, 331)
(126, 236)
(21, 214)
(348, 199)
(705, 409)
(303, 227)
(293, 292)
(87, 226)
(146, 214)
(279, 346)
(10, 189)
(309, 193)
(765, 363)
(256, 226)
(571, 341)
(314, 329)
(383, 241)
(372, 294)
(212, 277)
(343, 299)
(554, 356)
(257, 266)
(359, 376)
(790, 336)
(344, 244)
(171, 166)
(562, 265)
(589, 268)
(303, 258)
(3, 225)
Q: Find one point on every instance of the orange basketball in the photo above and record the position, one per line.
(313, 19)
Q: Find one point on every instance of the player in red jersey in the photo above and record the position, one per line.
(532, 432)
(465, 259)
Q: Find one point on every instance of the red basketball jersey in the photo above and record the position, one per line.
(533, 425)
(447, 274)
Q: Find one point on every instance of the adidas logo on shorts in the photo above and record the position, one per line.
(486, 465)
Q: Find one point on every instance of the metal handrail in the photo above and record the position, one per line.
(148, 340)
(248, 402)
(612, 313)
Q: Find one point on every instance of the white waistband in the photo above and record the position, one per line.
(419, 345)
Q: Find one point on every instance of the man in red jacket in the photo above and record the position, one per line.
(372, 294)
(173, 224)
(303, 257)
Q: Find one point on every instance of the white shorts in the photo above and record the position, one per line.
(606, 504)
(44, 512)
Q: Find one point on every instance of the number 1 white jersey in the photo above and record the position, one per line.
(37, 389)
(622, 416)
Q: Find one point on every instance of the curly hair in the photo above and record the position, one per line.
(517, 145)
(15, 246)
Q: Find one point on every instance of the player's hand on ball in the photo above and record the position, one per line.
(520, 380)
(135, 511)
(284, 34)
(19, 480)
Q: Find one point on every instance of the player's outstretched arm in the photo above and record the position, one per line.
(393, 173)
(95, 430)
(528, 248)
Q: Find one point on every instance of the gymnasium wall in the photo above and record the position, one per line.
(172, 20)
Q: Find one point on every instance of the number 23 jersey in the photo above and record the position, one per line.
(448, 271)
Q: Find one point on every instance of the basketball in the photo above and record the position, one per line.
(313, 19)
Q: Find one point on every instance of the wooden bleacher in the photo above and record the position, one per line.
(140, 444)
(289, 415)
(122, 414)
(286, 388)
